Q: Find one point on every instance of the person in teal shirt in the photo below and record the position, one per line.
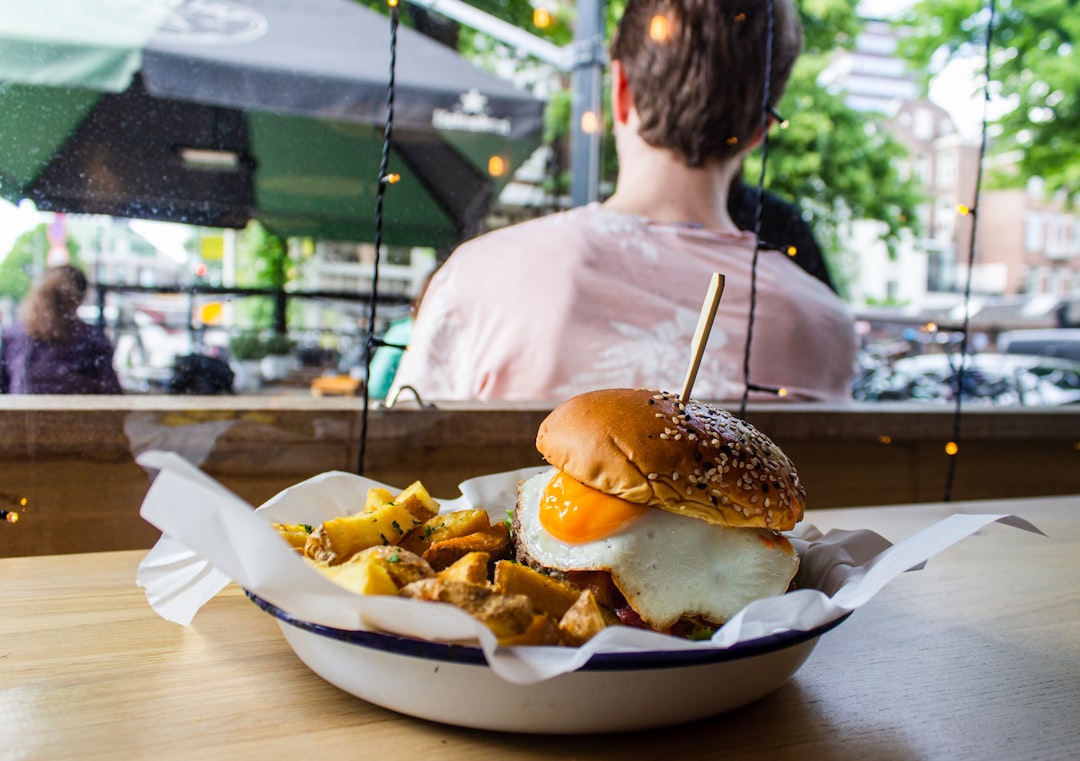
(384, 362)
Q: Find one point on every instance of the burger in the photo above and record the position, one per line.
(670, 512)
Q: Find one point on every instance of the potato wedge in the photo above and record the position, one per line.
(494, 540)
(338, 539)
(402, 566)
(378, 497)
(505, 615)
(542, 631)
(584, 620)
(471, 567)
(365, 577)
(296, 534)
(548, 595)
(445, 526)
(418, 501)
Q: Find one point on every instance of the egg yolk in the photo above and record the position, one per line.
(576, 513)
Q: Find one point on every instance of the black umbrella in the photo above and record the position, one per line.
(215, 112)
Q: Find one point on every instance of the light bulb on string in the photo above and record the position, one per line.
(952, 448)
(774, 390)
(590, 123)
(541, 18)
(392, 179)
(659, 28)
(791, 250)
(780, 120)
(496, 166)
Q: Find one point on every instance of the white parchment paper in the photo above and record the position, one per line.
(211, 537)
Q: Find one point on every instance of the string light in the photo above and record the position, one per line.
(733, 141)
(766, 102)
(590, 123)
(963, 210)
(496, 166)
(541, 18)
(884, 439)
(659, 28)
(952, 448)
(10, 516)
(791, 250)
(775, 390)
(781, 121)
(386, 178)
(930, 327)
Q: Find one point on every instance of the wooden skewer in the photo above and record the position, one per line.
(701, 332)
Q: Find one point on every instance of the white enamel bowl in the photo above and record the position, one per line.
(613, 692)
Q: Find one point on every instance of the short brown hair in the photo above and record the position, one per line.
(696, 70)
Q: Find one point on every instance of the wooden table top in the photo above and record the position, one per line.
(975, 657)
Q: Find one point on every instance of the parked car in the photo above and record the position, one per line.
(989, 379)
(1049, 342)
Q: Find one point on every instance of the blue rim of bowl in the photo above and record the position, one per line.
(467, 654)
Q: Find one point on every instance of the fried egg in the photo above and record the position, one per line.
(667, 566)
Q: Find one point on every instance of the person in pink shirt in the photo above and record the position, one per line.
(608, 294)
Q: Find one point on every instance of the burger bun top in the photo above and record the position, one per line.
(693, 459)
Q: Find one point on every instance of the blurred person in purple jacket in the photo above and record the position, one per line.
(50, 350)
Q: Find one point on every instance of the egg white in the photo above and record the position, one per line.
(666, 565)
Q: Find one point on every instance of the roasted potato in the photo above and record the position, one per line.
(505, 615)
(296, 534)
(445, 526)
(548, 595)
(584, 620)
(378, 497)
(417, 501)
(381, 570)
(365, 577)
(471, 567)
(338, 539)
(542, 631)
(494, 540)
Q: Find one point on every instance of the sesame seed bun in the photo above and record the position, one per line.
(692, 459)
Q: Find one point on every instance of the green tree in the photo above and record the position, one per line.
(1034, 67)
(262, 262)
(26, 260)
